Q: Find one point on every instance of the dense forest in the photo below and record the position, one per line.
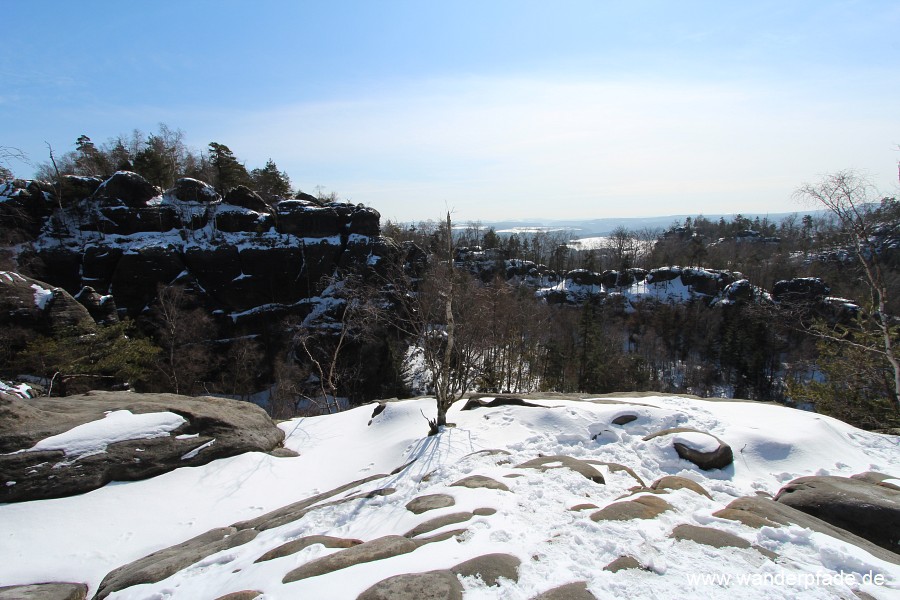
(452, 308)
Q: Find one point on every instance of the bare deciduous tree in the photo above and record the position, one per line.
(286, 393)
(622, 244)
(243, 365)
(183, 333)
(322, 338)
(8, 154)
(429, 311)
(852, 200)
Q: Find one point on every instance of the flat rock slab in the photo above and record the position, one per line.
(437, 523)
(377, 549)
(489, 452)
(709, 536)
(296, 510)
(159, 565)
(430, 502)
(242, 595)
(213, 428)
(782, 514)
(746, 517)
(45, 591)
(878, 479)
(674, 482)
(284, 453)
(497, 401)
(719, 458)
(490, 568)
(644, 507)
(616, 467)
(297, 545)
(571, 591)
(432, 585)
(480, 481)
(624, 419)
(440, 537)
(581, 467)
(624, 563)
(869, 510)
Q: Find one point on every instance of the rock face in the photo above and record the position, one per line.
(245, 197)
(241, 252)
(869, 510)
(125, 188)
(39, 306)
(212, 428)
(25, 204)
(102, 309)
(662, 284)
(76, 187)
(193, 190)
(801, 289)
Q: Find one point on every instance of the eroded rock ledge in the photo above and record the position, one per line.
(70, 461)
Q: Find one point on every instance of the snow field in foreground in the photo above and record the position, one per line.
(84, 537)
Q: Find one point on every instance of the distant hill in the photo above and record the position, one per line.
(582, 228)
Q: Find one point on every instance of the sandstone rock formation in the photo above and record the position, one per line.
(159, 565)
(212, 428)
(719, 457)
(763, 512)
(240, 251)
(436, 585)
(39, 306)
(44, 591)
(869, 510)
(581, 467)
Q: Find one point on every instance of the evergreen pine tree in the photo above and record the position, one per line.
(89, 160)
(77, 360)
(270, 183)
(228, 171)
(153, 164)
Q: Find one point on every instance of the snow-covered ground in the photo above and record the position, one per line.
(82, 538)
(589, 243)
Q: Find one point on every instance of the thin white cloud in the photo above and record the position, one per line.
(519, 147)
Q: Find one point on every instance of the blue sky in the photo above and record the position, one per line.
(495, 109)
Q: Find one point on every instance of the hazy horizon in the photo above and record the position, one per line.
(497, 111)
